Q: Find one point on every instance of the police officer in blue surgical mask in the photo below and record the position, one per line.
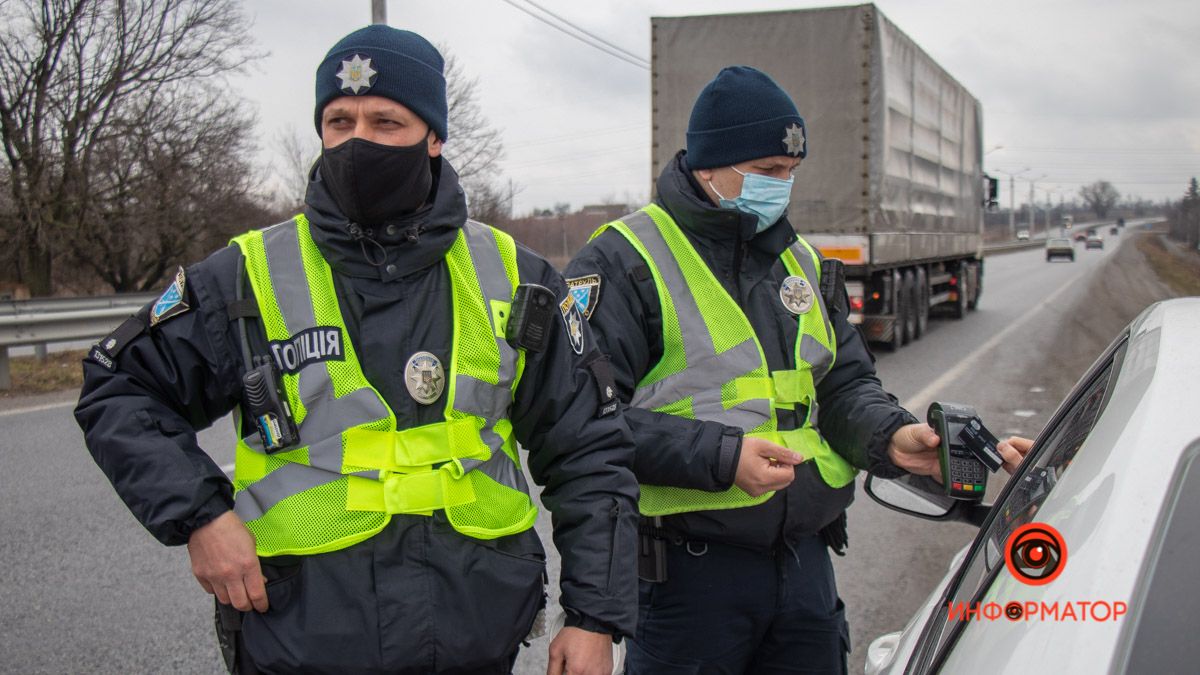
(752, 400)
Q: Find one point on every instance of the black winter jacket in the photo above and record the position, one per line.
(855, 414)
(140, 418)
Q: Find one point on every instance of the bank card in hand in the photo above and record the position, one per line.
(981, 443)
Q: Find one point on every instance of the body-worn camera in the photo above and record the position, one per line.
(967, 450)
(533, 314)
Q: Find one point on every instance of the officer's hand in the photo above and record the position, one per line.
(765, 466)
(225, 563)
(1013, 451)
(575, 651)
(914, 449)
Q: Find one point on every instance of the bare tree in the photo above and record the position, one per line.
(296, 153)
(171, 182)
(474, 146)
(68, 70)
(1100, 197)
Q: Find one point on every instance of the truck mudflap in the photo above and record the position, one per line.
(877, 328)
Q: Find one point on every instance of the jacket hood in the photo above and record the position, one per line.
(684, 198)
(398, 247)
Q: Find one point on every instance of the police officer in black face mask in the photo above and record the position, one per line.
(378, 519)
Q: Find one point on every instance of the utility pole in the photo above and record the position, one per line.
(379, 11)
(1033, 204)
(1012, 195)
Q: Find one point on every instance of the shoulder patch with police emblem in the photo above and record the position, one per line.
(573, 320)
(171, 302)
(357, 75)
(586, 291)
(796, 294)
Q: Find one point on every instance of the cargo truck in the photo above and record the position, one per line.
(893, 184)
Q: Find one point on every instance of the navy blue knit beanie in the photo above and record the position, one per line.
(742, 115)
(383, 61)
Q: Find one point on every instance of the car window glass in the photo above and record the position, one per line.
(1051, 458)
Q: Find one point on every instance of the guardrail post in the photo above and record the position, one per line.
(5, 375)
(39, 350)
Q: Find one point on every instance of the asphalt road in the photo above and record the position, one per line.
(86, 589)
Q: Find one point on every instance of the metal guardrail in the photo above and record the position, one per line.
(1008, 246)
(44, 321)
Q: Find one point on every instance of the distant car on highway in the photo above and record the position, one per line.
(1059, 248)
(1110, 492)
(1094, 241)
(1081, 236)
(1022, 235)
(1114, 230)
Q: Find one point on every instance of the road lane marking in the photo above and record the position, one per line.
(922, 399)
(37, 408)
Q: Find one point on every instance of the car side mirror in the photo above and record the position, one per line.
(921, 496)
(993, 193)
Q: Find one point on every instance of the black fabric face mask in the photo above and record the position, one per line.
(373, 183)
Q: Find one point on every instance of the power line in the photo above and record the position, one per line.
(594, 42)
(590, 34)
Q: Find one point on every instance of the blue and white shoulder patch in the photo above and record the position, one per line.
(171, 302)
(573, 320)
(586, 291)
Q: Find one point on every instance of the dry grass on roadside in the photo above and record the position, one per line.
(60, 370)
(1178, 268)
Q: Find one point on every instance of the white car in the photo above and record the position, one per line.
(1111, 585)
(1022, 235)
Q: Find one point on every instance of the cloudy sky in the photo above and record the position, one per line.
(1076, 90)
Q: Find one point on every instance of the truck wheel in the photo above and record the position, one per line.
(921, 305)
(909, 285)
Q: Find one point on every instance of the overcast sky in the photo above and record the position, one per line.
(1078, 90)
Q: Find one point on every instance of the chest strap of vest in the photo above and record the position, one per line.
(785, 387)
(415, 448)
(415, 471)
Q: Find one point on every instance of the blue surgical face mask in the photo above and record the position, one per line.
(762, 196)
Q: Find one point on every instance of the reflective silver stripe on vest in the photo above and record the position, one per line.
(813, 352)
(705, 370)
(327, 417)
(475, 397)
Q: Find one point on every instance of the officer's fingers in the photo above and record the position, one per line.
(237, 595)
(208, 588)
(776, 477)
(222, 595)
(556, 661)
(780, 454)
(256, 591)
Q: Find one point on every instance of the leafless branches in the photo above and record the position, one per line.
(80, 80)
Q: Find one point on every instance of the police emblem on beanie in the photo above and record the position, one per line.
(793, 138)
(742, 114)
(356, 75)
(384, 61)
